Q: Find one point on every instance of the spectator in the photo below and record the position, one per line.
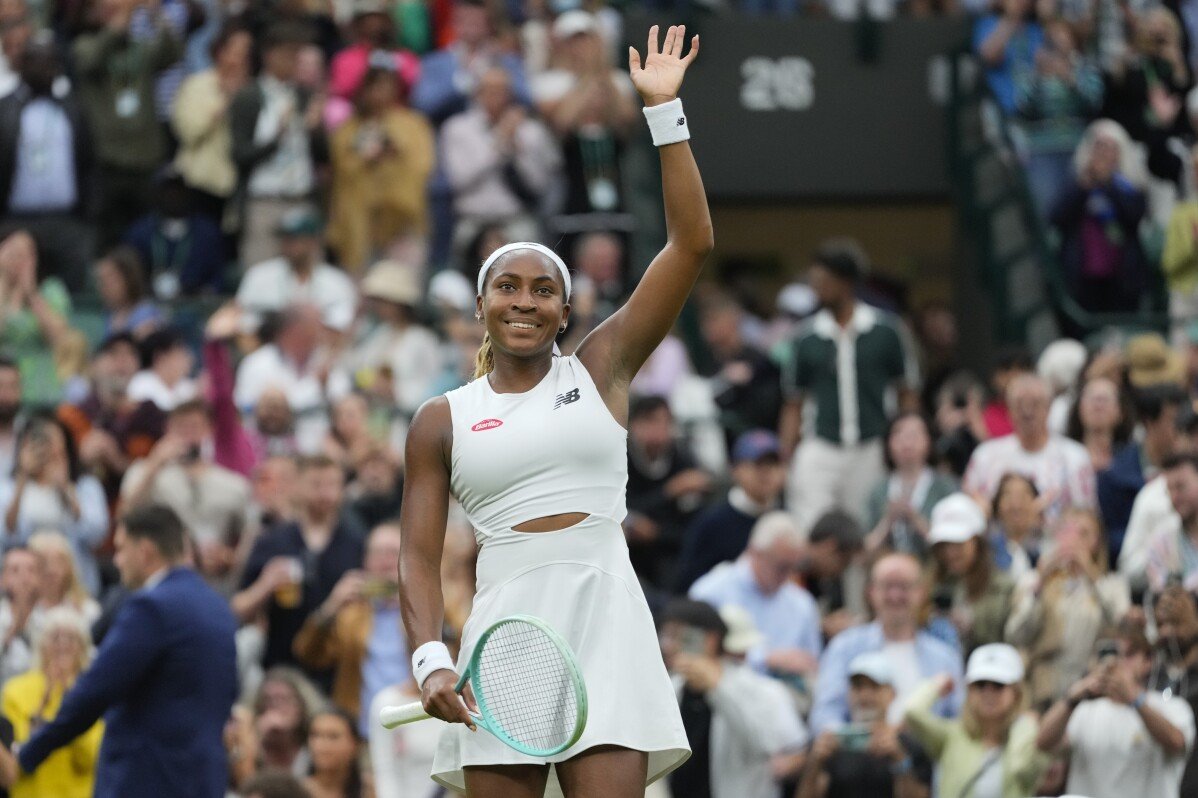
(1009, 364)
(293, 568)
(786, 614)
(382, 158)
(1061, 365)
(179, 473)
(47, 165)
(200, 120)
(1007, 42)
(1101, 422)
(959, 424)
(1059, 467)
(450, 77)
(335, 744)
(121, 283)
(900, 504)
(1098, 216)
(33, 699)
(841, 461)
(499, 161)
(109, 428)
(991, 749)
(1054, 102)
(736, 719)
(829, 572)
(277, 139)
(34, 322)
(1061, 609)
(10, 411)
(1015, 534)
(275, 483)
(1146, 88)
(743, 381)
(283, 710)
(869, 756)
(1121, 738)
(165, 376)
(1173, 550)
(402, 757)
(962, 570)
(298, 275)
(357, 632)
(398, 359)
(273, 784)
(665, 490)
(61, 584)
(373, 33)
(349, 435)
(1176, 615)
(20, 613)
(184, 250)
(48, 489)
(378, 489)
(895, 594)
(591, 107)
(19, 26)
(170, 654)
(116, 76)
(295, 372)
(721, 532)
(1137, 463)
(1179, 261)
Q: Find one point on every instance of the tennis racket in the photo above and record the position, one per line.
(527, 685)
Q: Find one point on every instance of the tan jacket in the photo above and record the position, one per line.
(200, 120)
(340, 644)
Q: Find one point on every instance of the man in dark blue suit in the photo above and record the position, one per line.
(164, 679)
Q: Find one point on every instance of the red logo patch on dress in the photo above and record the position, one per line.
(485, 424)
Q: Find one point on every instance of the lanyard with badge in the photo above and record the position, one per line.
(125, 70)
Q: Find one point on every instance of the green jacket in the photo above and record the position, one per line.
(959, 757)
(116, 83)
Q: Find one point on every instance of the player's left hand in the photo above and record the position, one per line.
(659, 76)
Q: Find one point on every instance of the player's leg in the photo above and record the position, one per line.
(605, 771)
(506, 781)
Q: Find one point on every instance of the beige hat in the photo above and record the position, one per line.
(742, 631)
(392, 281)
(1150, 361)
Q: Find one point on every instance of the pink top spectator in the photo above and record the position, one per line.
(350, 65)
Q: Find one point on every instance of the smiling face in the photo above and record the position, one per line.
(523, 304)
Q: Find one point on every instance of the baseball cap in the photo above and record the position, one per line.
(754, 445)
(873, 665)
(1150, 361)
(955, 519)
(996, 662)
(300, 222)
(572, 23)
(742, 632)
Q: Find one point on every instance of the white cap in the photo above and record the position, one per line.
(742, 631)
(1061, 362)
(996, 662)
(874, 666)
(572, 23)
(955, 519)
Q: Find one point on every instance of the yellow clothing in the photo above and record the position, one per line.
(376, 201)
(70, 771)
(1180, 259)
(200, 120)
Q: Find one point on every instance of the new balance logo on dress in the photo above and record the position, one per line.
(565, 398)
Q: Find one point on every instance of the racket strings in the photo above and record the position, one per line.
(528, 687)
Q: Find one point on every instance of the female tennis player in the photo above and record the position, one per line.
(535, 450)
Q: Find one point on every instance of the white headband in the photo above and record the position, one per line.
(538, 248)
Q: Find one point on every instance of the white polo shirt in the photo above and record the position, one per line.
(272, 285)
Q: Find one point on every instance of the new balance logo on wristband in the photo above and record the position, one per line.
(420, 664)
(565, 398)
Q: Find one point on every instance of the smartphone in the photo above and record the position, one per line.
(854, 737)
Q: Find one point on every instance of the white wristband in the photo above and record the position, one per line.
(667, 123)
(432, 656)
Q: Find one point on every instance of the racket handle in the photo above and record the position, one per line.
(394, 716)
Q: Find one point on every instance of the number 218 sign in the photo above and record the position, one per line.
(777, 84)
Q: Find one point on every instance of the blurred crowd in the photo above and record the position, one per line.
(238, 243)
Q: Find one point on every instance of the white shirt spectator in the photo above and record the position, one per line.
(413, 354)
(1061, 471)
(288, 172)
(1113, 756)
(402, 757)
(148, 386)
(17, 657)
(272, 285)
(266, 368)
(1151, 513)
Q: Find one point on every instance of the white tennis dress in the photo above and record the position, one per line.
(557, 449)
